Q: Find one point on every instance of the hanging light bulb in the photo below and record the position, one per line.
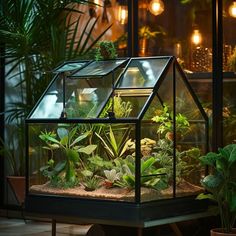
(232, 9)
(122, 12)
(156, 7)
(196, 37)
(97, 2)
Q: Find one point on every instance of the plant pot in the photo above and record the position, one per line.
(143, 47)
(17, 184)
(219, 232)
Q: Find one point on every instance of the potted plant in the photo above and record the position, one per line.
(221, 185)
(145, 33)
(106, 50)
(13, 152)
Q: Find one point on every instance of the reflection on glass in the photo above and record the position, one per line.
(98, 68)
(71, 66)
(143, 73)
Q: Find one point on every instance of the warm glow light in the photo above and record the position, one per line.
(122, 14)
(232, 9)
(196, 37)
(156, 7)
(98, 2)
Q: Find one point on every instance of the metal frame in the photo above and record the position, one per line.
(2, 108)
(217, 76)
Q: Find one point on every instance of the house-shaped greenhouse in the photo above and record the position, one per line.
(116, 140)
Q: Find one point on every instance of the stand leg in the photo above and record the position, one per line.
(139, 231)
(54, 227)
(176, 230)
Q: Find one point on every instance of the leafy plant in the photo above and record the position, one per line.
(165, 121)
(114, 148)
(67, 141)
(105, 50)
(111, 177)
(221, 183)
(91, 183)
(187, 161)
(150, 175)
(232, 61)
(121, 108)
(146, 33)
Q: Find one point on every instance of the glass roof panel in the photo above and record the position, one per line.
(70, 66)
(143, 73)
(98, 68)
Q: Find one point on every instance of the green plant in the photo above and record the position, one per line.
(146, 33)
(114, 147)
(187, 161)
(105, 50)
(91, 183)
(111, 177)
(232, 61)
(151, 176)
(67, 141)
(121, 108)
(221, 183)
(164, 119)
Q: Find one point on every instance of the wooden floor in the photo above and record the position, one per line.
(17, 227)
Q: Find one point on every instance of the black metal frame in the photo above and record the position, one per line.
(2, 108)
(217, 76)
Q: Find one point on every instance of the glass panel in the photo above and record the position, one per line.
(229, 80)
(190, 140)
(156, 157)
(143, 73)
(70, 66)
(157, 142)
(158, 136)
(98, 68)
(86, 97)
(82, 160)
(127, 103)
(51, 104)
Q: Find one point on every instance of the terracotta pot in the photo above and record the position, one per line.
(218, 232)
(17, 184)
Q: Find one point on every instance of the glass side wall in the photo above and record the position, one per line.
(83, 160)
(170, 158)
(229, 67)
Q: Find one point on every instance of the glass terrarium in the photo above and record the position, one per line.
(116, 136)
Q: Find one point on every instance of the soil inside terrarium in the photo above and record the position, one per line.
(184, 188)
